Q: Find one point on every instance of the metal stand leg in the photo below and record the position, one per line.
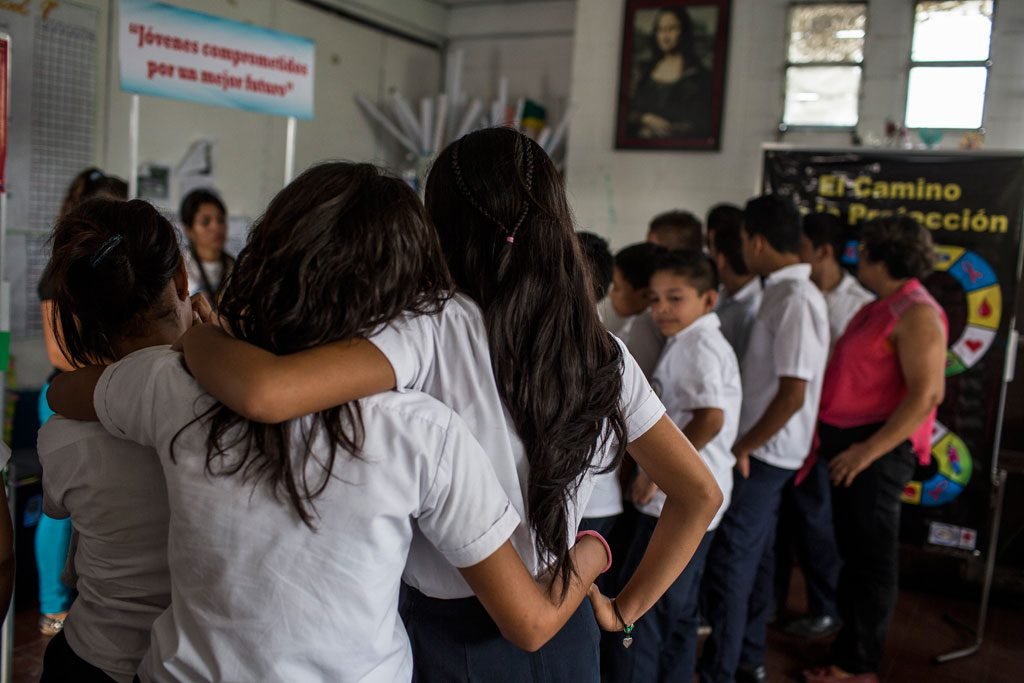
(986, 589)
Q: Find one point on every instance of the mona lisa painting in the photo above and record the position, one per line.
(672, 81)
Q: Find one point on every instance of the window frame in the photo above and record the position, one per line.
(787, 65)
(911, 64)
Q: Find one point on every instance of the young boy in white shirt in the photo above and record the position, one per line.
(698, 381)
(782, 372)
(630, 297)
(740, 291)
(805, 517)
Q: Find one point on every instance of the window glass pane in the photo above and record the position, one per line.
(822, 95)
(948, 31)
(827, 33)
(946, 97)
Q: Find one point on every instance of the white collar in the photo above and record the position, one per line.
(748, 291)
(708, 321)
(797, 271)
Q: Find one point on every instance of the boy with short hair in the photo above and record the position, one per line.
(676, 230)
(822, 245)
(782, 372)
(698, 380)
(629, 297)
(805, 517)
(740, 292)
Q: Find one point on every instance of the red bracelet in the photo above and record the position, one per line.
(607, 548)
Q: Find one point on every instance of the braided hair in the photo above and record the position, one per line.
(508, 235)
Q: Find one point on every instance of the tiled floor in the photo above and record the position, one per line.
(919, 632)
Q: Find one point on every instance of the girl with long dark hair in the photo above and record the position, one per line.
(520, 354)
(205, 219)
(287, 542)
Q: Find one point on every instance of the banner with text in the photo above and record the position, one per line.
(973, 205)
(171, 52)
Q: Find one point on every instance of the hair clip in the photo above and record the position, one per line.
(105, 249)
(96, 175)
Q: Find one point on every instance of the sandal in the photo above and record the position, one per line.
(52, 624)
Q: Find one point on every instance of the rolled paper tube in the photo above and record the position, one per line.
(502, 100)
(405, 116)
(426, 124)
(545, 137)
(517, 122)
(559, 134)
(439, 122)
(377, 116)
(471, 115)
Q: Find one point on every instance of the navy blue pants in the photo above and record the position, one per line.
(805, 530)
(61, 663)
(456, 640)
(665, 640)
(738, 579)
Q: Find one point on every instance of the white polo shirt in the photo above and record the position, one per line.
(699, 370)
(447, 356)
(115, 494)
(644, 340)
(843, 302)
(737, 313)
(789, 338)
(259, 596)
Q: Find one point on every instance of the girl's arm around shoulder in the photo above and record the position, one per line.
(265, 387)
(71, 393)
(527, 611)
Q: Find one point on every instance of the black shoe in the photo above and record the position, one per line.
(811, 628)
(751, 674)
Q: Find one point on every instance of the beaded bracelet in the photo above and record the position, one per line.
(627, 629)
(607, 548)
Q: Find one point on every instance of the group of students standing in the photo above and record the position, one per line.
(394, 450)
(811, 398)
(371, 462)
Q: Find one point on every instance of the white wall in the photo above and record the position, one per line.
(616, 192)
(530, 43)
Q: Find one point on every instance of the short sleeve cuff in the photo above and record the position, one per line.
(644, 417)
(487, 543)
(99, 399)
(798, 372)
(390, 341)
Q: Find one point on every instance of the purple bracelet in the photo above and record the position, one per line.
(607, 548)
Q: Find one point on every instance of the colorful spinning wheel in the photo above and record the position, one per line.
(984, 306)
(955, 467)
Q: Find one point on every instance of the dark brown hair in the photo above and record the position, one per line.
(340, 251)
(92, 182)
(901, 243)
(111, 263)
(695, 266)
(505, 226)
(195, 199)
(679, 229)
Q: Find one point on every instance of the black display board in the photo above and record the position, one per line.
(973, 205)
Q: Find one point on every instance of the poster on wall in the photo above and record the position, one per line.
(167, 51)
(972, 203)
(672, 74)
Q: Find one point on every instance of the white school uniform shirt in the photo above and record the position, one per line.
(737, 313)
(699, 370)
(447, 356)
(644, 340)
(789, 338)
(115, 494)
(843, 302)
(259, 596)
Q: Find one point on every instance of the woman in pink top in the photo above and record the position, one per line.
(882, 388)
